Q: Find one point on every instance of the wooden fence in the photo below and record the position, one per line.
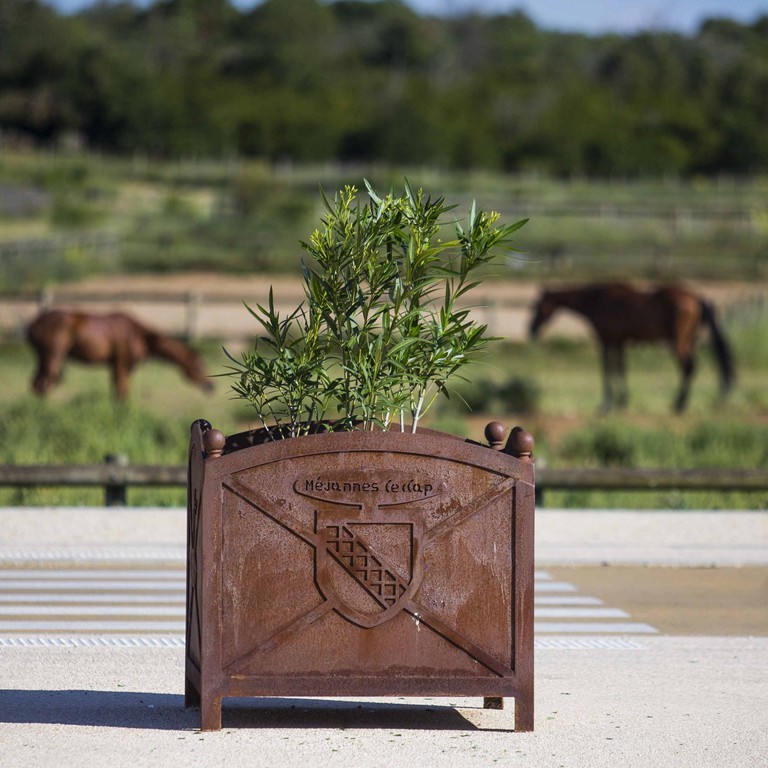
(197, 315)
(116, 475)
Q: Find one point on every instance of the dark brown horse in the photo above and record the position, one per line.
(619, 313)
(116, 340)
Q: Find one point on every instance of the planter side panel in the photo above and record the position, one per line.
(368, 563)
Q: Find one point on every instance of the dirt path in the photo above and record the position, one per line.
(204, 305)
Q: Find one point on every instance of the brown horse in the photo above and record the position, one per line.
(620, 313)
(116, 340)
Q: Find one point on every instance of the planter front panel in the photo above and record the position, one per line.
(366, 563)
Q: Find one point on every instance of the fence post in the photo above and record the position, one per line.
(45, 298)
(193, 316)
(114, 492)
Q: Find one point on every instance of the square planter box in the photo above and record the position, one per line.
(359, 564)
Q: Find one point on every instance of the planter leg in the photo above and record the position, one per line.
(210, 713)
(523, 713)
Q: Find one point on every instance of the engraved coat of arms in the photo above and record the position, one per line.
(368, 553)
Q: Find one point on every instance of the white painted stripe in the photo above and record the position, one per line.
(39, 625)
(554, 586)
(593, 628)
(566, 600)
(541, 576)
(89, 573)
(580, 613)
(105, 598)
(586, 643)
(61, 584)
(175, 641)
(93, 641)
(80, 610)
(80, 554)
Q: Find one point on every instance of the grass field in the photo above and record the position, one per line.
(551, 388)
(248, 217)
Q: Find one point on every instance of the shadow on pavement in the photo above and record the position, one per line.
(164, 711)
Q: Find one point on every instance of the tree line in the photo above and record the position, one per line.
(356, 81)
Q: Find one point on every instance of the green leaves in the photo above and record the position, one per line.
(373, 341)
(283, 377)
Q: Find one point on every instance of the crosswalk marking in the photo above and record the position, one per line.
(579, 613)
(29, 584)
(594, 628)
(102, 598)
(63, 625)
(570, 616)
(566, 600)
(120, 574)
(100, 610)
(94, 584)
(134, 600)
(553, 586)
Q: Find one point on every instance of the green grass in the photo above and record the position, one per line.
(244, 217)
(562, 378)
(80, 423)
(557, 390)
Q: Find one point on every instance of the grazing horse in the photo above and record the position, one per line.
(116, 340)
(620, 313)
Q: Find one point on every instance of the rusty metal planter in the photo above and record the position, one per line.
(359, 564)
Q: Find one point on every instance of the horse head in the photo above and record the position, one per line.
(542, 312)
(196, 372)
(187, 359)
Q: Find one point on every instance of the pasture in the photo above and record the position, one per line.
(552, 388)
(70, 217)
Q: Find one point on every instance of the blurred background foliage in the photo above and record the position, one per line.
(65, 216)
(191, 135)
(355, 81)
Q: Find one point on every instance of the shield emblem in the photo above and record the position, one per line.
(367, 569)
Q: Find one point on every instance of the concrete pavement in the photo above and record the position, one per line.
(563, 537)
(679, 702)
(662, 701)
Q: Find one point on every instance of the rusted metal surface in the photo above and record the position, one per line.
(360, 564)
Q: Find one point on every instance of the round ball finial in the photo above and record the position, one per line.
(520, 444)
(213, 442)
(494, 434)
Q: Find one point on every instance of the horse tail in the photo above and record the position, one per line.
(723, 352)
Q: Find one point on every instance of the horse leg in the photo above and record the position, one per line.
(121, 372)
(609, 356)
(622, 390)
(49, 368)
(687, 367)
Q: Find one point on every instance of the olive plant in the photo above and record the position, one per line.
(380, 332)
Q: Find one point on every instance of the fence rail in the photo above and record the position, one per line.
(621, 479)
(115, 476)
(197, 314)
